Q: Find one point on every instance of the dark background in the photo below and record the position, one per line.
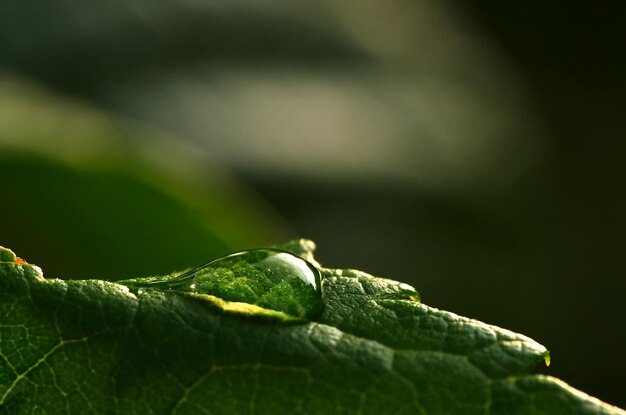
(474, 150)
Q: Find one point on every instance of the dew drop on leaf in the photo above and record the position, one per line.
(268, 278)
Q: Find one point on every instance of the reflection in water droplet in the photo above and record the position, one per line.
(268, 278)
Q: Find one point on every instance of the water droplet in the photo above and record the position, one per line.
(268, 278)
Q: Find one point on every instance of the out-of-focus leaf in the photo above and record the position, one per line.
(83, 200)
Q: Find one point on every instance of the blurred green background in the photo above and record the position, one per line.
(473, 150)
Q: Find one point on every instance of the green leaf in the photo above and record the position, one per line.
(90, 346)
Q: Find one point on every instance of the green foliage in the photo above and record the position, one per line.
(113, 198)
(93, 346)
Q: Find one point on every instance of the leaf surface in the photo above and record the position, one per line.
(92, 346)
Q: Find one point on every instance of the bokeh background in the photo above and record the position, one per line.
(472, 149)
